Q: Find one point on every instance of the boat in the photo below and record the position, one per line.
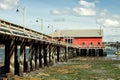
(117, 53)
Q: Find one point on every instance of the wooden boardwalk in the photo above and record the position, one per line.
(43, 49)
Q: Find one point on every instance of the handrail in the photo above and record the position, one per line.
(14, 29)
(17, 30)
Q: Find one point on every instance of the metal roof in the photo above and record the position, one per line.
(78, 33)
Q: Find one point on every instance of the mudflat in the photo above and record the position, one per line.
(81, 68)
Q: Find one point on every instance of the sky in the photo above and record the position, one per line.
(65, 14)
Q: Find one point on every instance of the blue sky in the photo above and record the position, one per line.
(65, 14)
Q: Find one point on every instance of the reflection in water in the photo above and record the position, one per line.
(111, 54)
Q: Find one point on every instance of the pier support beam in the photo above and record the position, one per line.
(33, 57)
(46, 55)
(16, 61)
(10, 52)
(7, 57)
(71, 52)
(66, 53)
(83, 52)
(30, 58)
(100, 52)
(77, 52)
(54, 54)
(41, 56)
(51, 55)
(22, 59)
(91, 52)
(37, 51)
(58, 53)
(62, 54)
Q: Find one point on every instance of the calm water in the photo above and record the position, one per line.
(2, 54)
(110, 54)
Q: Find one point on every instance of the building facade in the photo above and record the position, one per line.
(82, 38)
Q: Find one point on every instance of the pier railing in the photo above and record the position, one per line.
(17, 30)
(8, 28)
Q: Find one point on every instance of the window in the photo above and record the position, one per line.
(83, 43)
(91, 43)
(68, 41)
(98, 43)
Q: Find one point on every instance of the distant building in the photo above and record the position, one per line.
(82, 38)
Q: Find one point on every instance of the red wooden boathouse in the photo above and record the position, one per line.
(82, 38)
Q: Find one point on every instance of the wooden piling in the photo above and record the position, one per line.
(22, 59)
(37, 56)
(12, 57)
(58, 53)
(41, 59)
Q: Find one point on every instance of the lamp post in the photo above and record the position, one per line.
(24, 16)
(41, 23)
(52, 30)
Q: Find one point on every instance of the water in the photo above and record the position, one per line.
(110, 54)
(2, 54)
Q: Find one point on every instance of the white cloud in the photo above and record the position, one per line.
(87, 4)
(63, 11)
(104, 18)
(85, 8)
(56, 12)
(8, 4)
(84, 11)
(109, 22)
(116, 16)
(102, 13)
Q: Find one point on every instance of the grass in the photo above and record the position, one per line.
(81, 69)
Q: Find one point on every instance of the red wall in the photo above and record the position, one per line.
(87, 41)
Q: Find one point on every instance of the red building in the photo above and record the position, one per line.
(82, 38)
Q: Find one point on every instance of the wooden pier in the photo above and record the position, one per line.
(43, 49)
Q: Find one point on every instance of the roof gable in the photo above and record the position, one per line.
(78, 33)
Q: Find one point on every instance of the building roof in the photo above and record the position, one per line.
(78, 33)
